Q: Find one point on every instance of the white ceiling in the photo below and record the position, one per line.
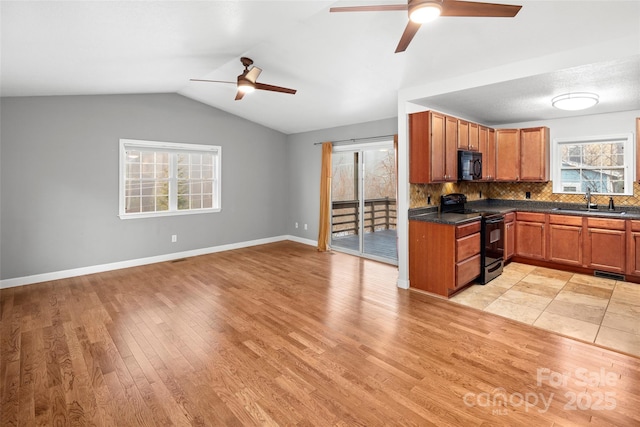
(343, 65)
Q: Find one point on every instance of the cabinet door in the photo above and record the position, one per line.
(637, 149)
(467, 270)
(633, 257)
(437, 165)
(606, 249)
(509, 239)
(534, 154)
(463, 135)
(530, 239)
(419, 148)
(488, 167)
(507, 154)
(474, 144)
(565, 244)
(451, 149)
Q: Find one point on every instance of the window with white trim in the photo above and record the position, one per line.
(601, 164)
(166, 178)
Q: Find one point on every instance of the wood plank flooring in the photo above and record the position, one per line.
(281, 334)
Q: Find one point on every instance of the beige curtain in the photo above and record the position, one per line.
(324, 228)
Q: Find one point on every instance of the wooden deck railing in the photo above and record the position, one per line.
(379, 214)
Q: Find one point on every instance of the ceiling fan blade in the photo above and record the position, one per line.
(211, 81)
(263, 86)
(380, 8)
(468, 8)
(410, 31)
(253, 74)
(239, 95)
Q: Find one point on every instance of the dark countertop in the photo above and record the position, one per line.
(431, 214)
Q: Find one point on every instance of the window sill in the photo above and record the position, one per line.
(166, 213)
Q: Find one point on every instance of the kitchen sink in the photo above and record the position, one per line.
(586, 211)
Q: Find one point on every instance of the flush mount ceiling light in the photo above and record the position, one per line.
(425, 11)
(575, 101)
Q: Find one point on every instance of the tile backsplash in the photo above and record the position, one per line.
(540, 191)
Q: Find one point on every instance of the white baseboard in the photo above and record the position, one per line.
(56, 275)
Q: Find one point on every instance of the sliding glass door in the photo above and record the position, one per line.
(363, 197)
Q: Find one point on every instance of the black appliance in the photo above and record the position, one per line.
(469, 165)
(491, 235)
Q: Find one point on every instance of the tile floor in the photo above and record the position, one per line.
(589, 308)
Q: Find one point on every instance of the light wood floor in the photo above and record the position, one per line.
(283, 335)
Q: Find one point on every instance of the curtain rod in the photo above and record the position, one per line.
(353, 140)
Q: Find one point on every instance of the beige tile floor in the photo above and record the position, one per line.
(603, 311)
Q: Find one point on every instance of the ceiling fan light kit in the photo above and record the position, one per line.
(245, 86)
(575, 101)
(421, 11)
(246, 82)
(425, 11)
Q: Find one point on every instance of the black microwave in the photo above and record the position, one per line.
(469, 165)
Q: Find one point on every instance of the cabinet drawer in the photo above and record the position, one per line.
(466, 229)
(635, 225)
(565, 220)
(509, 217)
(530, 216)
(467, 270)
(608, 224)
(467, 246)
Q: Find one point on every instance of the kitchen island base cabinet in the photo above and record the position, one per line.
(443, 258)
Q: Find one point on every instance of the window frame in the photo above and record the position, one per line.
(628, 165)
(173, 148)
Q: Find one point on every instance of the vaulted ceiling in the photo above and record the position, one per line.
(343, 65)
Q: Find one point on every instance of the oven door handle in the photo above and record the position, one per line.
(494, 221)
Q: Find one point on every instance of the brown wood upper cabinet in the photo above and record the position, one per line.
(474, 144)
(534, 154)
(522, 154)
(463, 134)
(468, 137)
(487, 146)
(507, 154)
(433, 153)
(638, 149)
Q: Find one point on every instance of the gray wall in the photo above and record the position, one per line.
(59, 180)
(304, 158)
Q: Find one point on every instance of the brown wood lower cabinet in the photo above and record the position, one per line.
(633, 248)
(530, 234)
(605, 244)
(565, 239)
(443, 258)
(509, 235)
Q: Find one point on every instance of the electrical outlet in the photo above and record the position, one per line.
(305, 226)
(527, 195)
(296, 225)
(174, 238)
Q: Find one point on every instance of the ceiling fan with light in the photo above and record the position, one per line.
(246, 82)
(421, 11)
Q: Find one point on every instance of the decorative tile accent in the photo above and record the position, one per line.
(540, 191)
